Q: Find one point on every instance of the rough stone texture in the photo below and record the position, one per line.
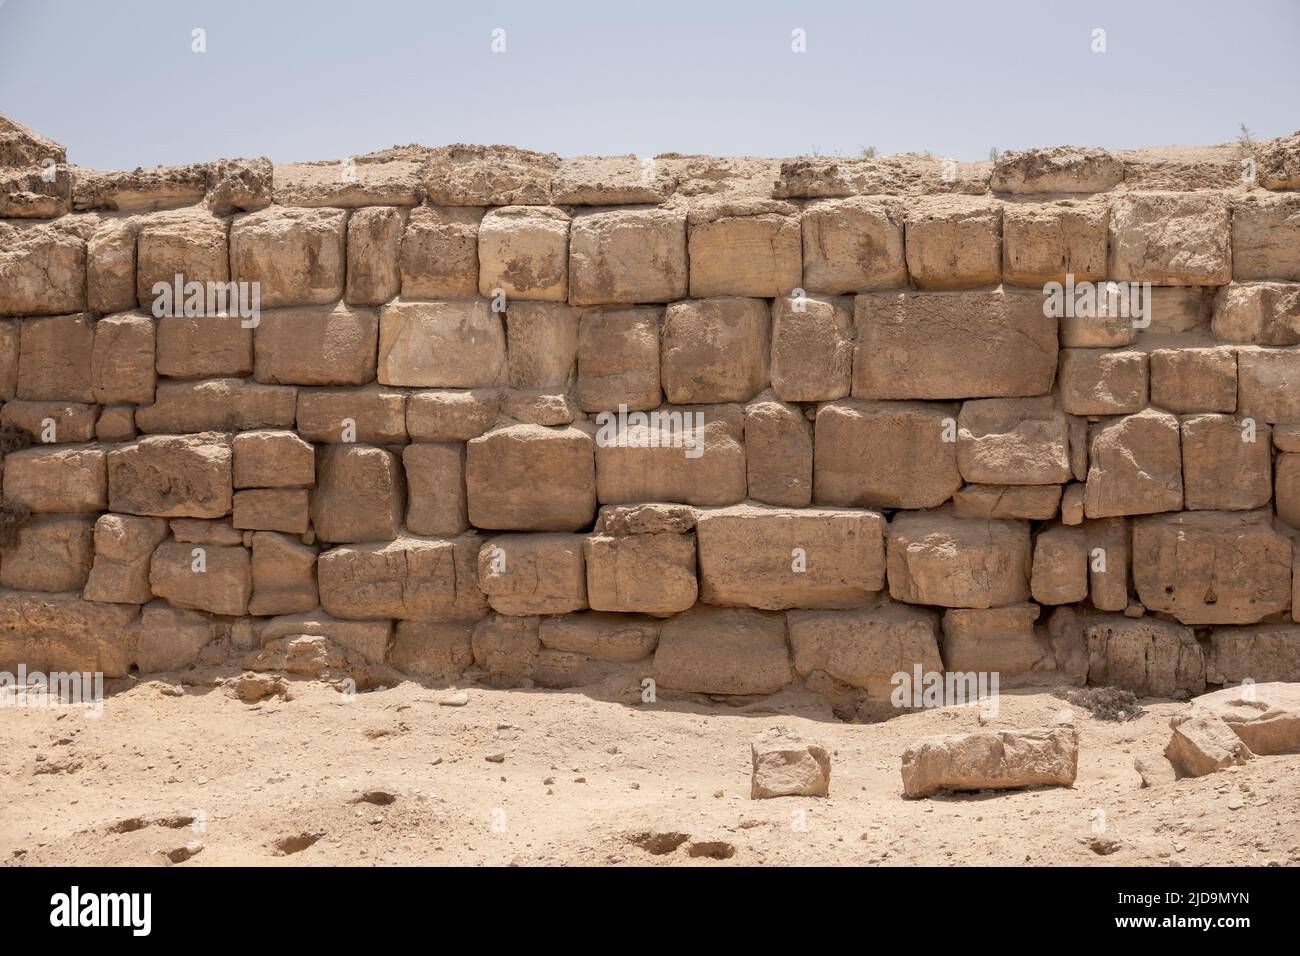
(373, 244)
(217, 404)
(1150, 657)
(284, 575)
(188, 243)
(1045, 242)
(1170, 238)
(812, 348)
(523, 251)
(1208, 567)
(865, 648)
(778, 453)
(124, 546)
(531, 478)
(1097, 382)
(709, 650)
(541, 344)
(57, 479)
(885, 454)
(358, 494)
(204, 346)
(407, 578)
(1013, 440)
(271, 458)
(169, 638)
(1194, 380)
(1035, 502)
(627, 256)
(42, 269)
(785, 765)
(373, 415)
(1225, 467)
(524, 574)
(489, 176)
(452, 344)
(1268, 385)
(451, 415)
(991, 344)
(954, 242)
(122, 365)
(222, 586)
(171, 476)
(618, 360)
(1135, 466)
(51, 553)
(441, 650)
(1060, 569)
(693, 454)
(1001, 640)
(773, 558)
(1262, 313)
(55, 359)
(52, 632)
(435, 489)
(992, 760)
(1056, 169)
(316, 346)
(272, 509)
(641, 573)
(297, 255)
(1266, 237)
(439, 255)
(937, 558)
(1203, 744)
(715, 350)
(745, 255)
(853, 245)
(1266, 717)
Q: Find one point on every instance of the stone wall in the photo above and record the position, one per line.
(729, 424)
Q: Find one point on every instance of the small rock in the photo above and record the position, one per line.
(785, 765)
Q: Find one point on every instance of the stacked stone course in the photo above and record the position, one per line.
(902, 461)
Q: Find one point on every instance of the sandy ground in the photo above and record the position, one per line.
(554, 778)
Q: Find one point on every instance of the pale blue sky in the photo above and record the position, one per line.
(117, 83)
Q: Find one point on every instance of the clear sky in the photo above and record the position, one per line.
(118, 83)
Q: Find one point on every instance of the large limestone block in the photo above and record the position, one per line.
(1045, 242)
(506, 648)
(170, 638)
(451, 414)
(374, 245)
(51, 422)
(272, 458)
(1170, 238)
(782, 764)
(778, 453)
(217, 404)
(55, 359)
(604, 637)
(122, 366)
(452, 344)
(618, 360)
(692, 455)
(315, 345)
(1035, 502)
(992, 760)
(1056, 169)
(524, 574)
(715, 350)
(885, 454)
(373, 415)
(358, 494)
(745, 255)
(439, 254)
(435, 488)
(1262, 313)
(641, 573)
(724, 651)
(1060, 569)
(865, 648)
(42, 269)
(283, 575)
(1109, 546)
(171, 476)
(1226, 466)
(189, 243)
(654, 518)
(204, 346)
(937, 558)
(523, 251)
(272, 509)
(1268, 384)
(1150, 657)
(610, 181)
(987, 344)
(51, 553)
(1100, 382)
(778, 558)
(441, 650)
(297, 255)
(124, 546)
(1278, 162)
(853, 245)
(1194, 380)
(1135, 466)
(61, 632)
(409, 578)
(389, 182)
(954, 242)
(627, 255)
(812, 348)
(1266, 236)
(1266, 717)
(57, 478)
(1023, 441)
(1179, 308)
(212, 577)
(999, 640)
(36, 193)
(370, 639)
(489, 176)
(531, 478)
(1208, 567)
(541, 344)
(1287, 488)
(1262, 652)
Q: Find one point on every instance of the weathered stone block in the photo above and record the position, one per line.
(51, 422)
(451, 415)
(373, 248)
(42, 269)
(297, 255)
(618, 360)
(523, 251)
(1194, 380)
(1150, 657)
(283, 574)
(999, 640)
(627, 256)
(1060, 570)
(1056, 169)
(441, 650)
(189, 243)
(55, 359)
(715, 350)
(316, 346)
(124, 546)
(435, 489)
(122, 364)
(865, 648)
(603, 637)
(169, 638)
(853, 245)
(785, 765)
(439, 254)
(745, 255)
(641, 573)
(272, 509)
(1170, 238)
(812, 348)
(358, 494)
(410, 578)
(372, 415)
(1135, 466)
(710, 650)
(936, 558)
(524, 574)
(778, 453)
(51, 553)
(541, 344)
(1045, 242)
(57, 479)
(171, 476)
(268, 458)
(1262, 313)
(453, 344)
(217, 404)
(489, 176)
(992, 344)
(954, 242)
(885, 454)
(1035, 502)
(1266, 236)
(1097, 382)
(1268, 384)
(204, 346)
(531, 478)
(1226, 466)
(992, 760)
(52, 632)
(221, 584)
(1024, 441)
